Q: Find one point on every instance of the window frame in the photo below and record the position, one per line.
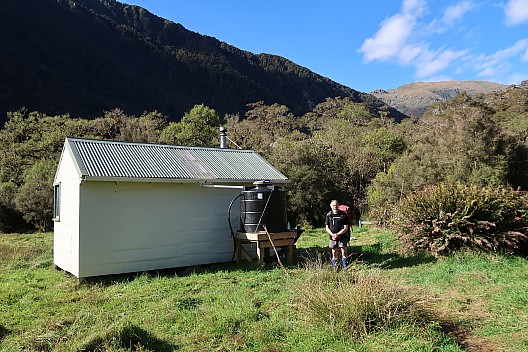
(56, 201)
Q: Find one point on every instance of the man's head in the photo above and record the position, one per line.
(334, 205)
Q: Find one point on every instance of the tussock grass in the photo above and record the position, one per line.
(358, 302)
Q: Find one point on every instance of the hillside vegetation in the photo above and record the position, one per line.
(84, 57)
(341, 150)
(386, 302)
(414, 99)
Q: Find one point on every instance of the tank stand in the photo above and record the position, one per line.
(261, 240)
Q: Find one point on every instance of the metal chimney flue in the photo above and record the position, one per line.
(223, 137)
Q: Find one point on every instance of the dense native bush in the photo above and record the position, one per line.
(341, 149)
(448, 217)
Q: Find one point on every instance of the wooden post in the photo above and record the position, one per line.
(238, 249)
(289, 253)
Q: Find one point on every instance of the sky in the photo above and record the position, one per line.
(370, 44)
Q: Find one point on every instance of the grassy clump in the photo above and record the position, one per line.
(358, 302)
(446, 218)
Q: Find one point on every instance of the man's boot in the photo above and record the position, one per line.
(344, 260)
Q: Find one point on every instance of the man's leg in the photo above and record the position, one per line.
(344, 256)
(335, 255)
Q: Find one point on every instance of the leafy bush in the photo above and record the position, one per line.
(448, 217)
(198, 127)
(35, 197)
(10, 218)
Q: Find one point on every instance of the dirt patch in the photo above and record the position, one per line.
(467, 340)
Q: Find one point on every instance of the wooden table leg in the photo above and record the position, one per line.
(238, 250)
(289, 254)
(261, 253)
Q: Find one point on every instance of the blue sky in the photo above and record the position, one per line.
(370, 44)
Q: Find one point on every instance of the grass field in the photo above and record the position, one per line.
(384, 302)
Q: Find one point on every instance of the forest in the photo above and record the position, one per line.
(455, 177)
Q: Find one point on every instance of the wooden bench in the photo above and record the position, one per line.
(262, 241)
(364, 222)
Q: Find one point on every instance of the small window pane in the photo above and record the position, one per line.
(56, 202)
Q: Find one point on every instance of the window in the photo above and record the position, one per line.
(56, 202)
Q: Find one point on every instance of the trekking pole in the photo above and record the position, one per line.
(275, 250)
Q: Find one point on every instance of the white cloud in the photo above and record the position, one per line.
(491, 66)
(409, 53)
(427, 40)
(515, 78)
(393, 33)
(431, 63)
(452, 16)
(488, 72)
(389, 39)
(396, 39)
(519, 47)
(516, 12)
(456, 12)
(413, 8)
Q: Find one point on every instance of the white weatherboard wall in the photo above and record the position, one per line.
(136, 226)
(66, 228)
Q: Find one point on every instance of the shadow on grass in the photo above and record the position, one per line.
(4, 332)
(108, 280)
(370, 255)
(364, 254)
(132, 338)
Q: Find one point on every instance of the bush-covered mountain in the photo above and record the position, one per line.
(86, 56)
(413, 99)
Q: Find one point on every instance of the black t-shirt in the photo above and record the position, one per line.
(336, 222)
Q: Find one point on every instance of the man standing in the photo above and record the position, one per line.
(337, 226)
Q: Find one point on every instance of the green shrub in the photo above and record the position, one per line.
(448, 217)
(35, 197)
(11, 219)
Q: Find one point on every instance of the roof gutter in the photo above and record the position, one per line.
(86, 178)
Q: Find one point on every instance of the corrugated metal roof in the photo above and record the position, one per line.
(124, 160)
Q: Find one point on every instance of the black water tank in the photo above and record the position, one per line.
(263, 204)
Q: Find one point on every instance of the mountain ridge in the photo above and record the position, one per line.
(86, 56)
(413, 99)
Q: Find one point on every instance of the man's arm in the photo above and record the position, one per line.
(343, 230)
(332, 235)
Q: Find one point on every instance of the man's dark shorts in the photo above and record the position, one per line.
(340, 243)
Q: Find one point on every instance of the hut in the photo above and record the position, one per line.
(125, 207)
